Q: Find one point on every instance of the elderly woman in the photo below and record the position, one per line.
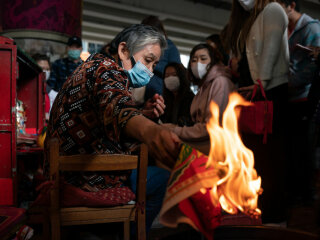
(94, 112)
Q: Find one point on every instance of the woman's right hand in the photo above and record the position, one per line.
(163, 145)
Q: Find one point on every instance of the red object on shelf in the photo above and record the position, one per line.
(31, 130)
(20, 78)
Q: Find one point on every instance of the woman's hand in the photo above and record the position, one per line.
(246, 92)
(163, 144)
(315, 53)
(154, 107)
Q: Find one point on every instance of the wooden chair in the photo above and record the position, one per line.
(84, 215)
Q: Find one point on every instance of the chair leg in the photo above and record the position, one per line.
(46, 228)
(55, 227)
(141, 226)
(126, 230)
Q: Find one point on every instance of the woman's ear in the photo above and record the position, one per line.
(123, 52)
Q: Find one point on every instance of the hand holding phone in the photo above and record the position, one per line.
(304, 48)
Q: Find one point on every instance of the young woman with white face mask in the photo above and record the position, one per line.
(177, 95)
(207, 71)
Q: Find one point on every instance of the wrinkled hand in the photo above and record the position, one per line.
(246, 92)
(163, 145)
(154, 107)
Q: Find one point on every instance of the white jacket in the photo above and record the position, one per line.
(267, 47)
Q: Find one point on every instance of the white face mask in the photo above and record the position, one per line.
(47, 72)
(199, 70)
(247, 4)
(172, 83)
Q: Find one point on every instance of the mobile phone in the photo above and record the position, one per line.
(304, 48)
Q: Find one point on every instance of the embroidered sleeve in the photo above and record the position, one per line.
(115, 103)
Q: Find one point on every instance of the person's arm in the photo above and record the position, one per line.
(119, 113)
(275, 23)
(219, 93)
(303, 72)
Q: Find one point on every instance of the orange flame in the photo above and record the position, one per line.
(238, 186)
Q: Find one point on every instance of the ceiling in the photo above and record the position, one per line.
(187, 22)
(102, 20)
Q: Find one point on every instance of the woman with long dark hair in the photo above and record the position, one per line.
(257, 36)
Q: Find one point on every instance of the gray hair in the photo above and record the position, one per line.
(137, 37)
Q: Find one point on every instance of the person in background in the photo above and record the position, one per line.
(232, 58)
(314, 100)
(44, 63)
(177, 95)
(62, 68)
(206, 70)
(215, 42)
(303, 32)
(94, 113)
(171, 54)
(105, 49)
(257, 35)
(314, 93)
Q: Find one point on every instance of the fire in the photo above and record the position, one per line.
(238, 186)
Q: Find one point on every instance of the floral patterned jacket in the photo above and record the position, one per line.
(89, 114)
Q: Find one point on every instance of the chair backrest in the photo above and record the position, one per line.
(99, 162)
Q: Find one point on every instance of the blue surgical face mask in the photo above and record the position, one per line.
(74, 54)
(139, 74)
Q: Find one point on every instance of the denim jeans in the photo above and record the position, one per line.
(157, 179)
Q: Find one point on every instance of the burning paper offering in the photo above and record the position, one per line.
(201, 185)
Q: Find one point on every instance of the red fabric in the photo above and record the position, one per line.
(72, 196)
(9, 218)
(47, 103)
(6, 190)
(202, 212)
(257, 119)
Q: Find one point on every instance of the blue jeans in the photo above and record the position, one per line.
(157, 179)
